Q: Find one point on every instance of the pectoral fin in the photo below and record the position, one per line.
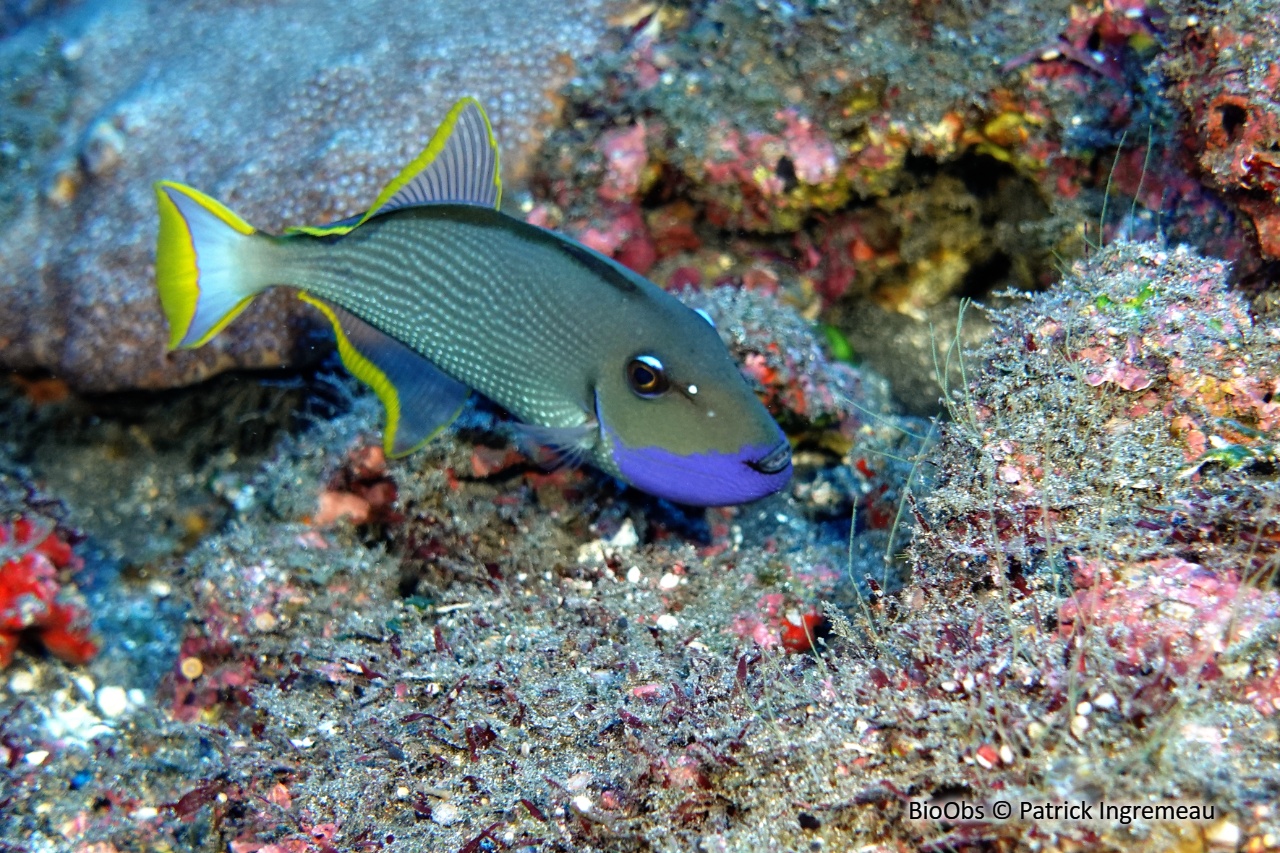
(557, 447)
(420, 399)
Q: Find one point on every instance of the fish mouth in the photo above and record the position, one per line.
(708, 478)
(774, 462)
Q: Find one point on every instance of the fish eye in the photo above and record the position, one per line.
(647, 377)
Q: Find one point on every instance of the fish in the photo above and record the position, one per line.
(434, 293)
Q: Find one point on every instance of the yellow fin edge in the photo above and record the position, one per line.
(320, 230)
(433, 149)
(220, 325)
(177, 272)
(368, 373)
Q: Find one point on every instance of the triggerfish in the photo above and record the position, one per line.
(434, 293)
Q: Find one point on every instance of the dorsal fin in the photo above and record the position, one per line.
(459, 165)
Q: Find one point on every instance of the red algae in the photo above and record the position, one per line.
(35, 562)
(361, 491)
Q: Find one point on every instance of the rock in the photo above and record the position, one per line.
(290, 112)
(15, 14)
(1225, 76)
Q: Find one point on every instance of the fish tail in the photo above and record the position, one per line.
(207, 271)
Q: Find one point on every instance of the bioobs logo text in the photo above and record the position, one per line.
(952, 811)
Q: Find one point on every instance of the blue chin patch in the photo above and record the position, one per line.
(706, 479)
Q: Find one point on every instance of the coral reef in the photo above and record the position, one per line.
(492, 655)
(597, 596)
(1151, 376)
(869, 186)
(1062, 593)
(112, 96)
(1116, 440)
(857, 176)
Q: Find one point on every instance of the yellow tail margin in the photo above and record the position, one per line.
(201, 274)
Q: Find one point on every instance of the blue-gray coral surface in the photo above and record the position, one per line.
(292, 113)
(1003, 273)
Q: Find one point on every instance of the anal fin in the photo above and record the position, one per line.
(420, 400)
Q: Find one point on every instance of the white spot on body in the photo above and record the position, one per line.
(693, 389)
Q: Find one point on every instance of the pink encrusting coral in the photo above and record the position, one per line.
(744, 186)
(35, 600)
(1168, 613)
(360, 491)
(775, 622)
(626, 158)
(624, 235)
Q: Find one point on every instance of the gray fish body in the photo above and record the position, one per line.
(520, 314)
(434, 292)
(479, 294)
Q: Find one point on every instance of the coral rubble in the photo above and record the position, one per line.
(1116, 440)
(492, 654)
